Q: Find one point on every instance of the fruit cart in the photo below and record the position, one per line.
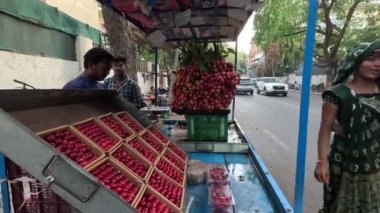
(81, 186)
(30, 116)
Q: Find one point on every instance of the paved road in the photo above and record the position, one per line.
(272, 124)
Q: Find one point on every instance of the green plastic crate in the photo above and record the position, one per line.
(212, 128)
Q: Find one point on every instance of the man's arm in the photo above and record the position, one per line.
(106, 82)
(137, 97)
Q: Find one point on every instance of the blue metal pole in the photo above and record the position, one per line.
(4, 186)
(234, 100)
(155, 76)
(304, 111)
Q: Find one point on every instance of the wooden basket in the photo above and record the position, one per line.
(181, 207)
(126, 173)
(183, 183)
(170, 153)
(143, 143)
(154, 138)
(103, 127)
(172, 144)
(125, 127)
(163, 138)
(140, 127)
(135, 155)
(94, 148)
(161, 198)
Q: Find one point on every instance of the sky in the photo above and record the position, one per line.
(245, 36)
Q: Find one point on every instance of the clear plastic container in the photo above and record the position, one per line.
(217, 174)
(220, 199)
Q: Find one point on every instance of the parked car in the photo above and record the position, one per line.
(271, 86)
(245, 86)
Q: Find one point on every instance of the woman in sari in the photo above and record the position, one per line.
(349, 166)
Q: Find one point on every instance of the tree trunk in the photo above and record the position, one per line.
(120, 39)
(333, 66)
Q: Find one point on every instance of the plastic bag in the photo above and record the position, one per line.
(217, 174)
(196, 172)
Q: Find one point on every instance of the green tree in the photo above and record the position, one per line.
(165, 58)
(241, 61)
(340, 25)
(120, 39)
(277, 24)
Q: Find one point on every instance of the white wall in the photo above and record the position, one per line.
(82, 45)
(318, 79)
(40, 72)
(315, 79)
(83, 10)
(145, 86)
(293, 78)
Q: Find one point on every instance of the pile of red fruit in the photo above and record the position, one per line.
(143, 149)
(218, 175)
(169, 190)
(150, 204)
(96, 134)
(221, 197)
(116, 181)
(218, 172)
(204, 91)
(177, 151)
(153, 142)
(127, 119)
(175, 160)
(67, 143)
(112, 123)
(134, 164)
(170, 171)
(159, 135)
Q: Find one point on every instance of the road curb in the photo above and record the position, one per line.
(314, 93)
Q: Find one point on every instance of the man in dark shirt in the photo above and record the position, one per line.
(97, 64)
(126, 87)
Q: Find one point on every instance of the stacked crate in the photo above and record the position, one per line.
(118, 148)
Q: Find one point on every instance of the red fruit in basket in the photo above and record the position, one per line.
(175, 160)
(116, 126)
(130, 122)
(159, 135)
(106, 172)
(150, 204)
(170, 171)
(97, 135)
(169, 190)
(144, 150)
(153, 142)
(67, 143)
(131, 162)
(177, 151)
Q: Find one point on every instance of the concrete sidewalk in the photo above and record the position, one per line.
(299, 91)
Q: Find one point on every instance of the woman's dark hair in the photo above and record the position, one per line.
(120, 58)
(96, 55)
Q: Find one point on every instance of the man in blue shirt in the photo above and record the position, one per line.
(126, 87)
(97, 65)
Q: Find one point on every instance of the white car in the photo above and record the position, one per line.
(271, 86)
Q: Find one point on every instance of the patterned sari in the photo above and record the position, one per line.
(354, 159)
